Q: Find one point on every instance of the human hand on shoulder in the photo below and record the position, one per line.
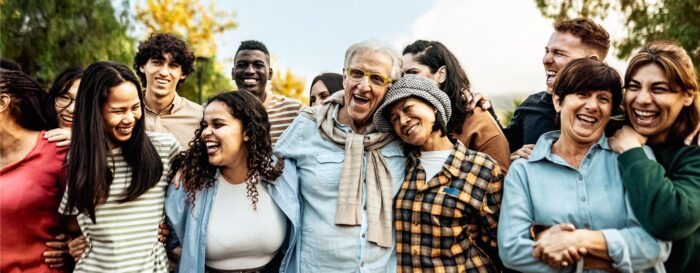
(626, 138)
(59, 135)
(476, 99)
(523, 152)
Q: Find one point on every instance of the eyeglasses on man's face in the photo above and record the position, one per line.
(64, 100)
(375, 79)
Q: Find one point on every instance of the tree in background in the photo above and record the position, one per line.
(289, 85)
(507, 116)
(48, 36)
(677, 20)
(198, 25)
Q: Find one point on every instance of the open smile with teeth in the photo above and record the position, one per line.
(162, 81)
(360, 99)
(212, 146)
(551, 76)
(67, 118)
(587, 119)
(644, 114)
(411, 129)
(250, 81)
(644, 117)
(125, 130)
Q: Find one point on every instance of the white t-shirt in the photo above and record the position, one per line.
(239, 237)
(433, 161)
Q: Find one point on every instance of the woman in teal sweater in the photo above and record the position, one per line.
(662, 106)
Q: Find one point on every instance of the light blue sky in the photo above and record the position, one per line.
(500, 43)
(311, 36)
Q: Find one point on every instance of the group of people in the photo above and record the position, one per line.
(396, 167)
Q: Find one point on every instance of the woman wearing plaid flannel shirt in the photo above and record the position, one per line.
(446, 211)
(571, 183)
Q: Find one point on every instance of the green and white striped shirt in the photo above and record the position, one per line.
(125, 235)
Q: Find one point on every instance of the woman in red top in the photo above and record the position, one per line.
(31, 176)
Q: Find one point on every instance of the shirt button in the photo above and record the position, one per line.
(363, 235)
(583, 198)
(362, 264)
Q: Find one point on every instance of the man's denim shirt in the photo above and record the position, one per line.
(190, 224)
(544, 189)
(309, 186)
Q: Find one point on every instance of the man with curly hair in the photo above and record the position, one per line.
(251, 72)
(163, 62)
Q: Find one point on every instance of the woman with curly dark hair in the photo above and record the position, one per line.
(224, 212)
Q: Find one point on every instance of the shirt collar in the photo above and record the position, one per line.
(337, 122)
(177, 102)
(454, 161)
(546, 98)
(543, 148)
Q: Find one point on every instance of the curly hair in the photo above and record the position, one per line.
(193, 165)
(592, 35)
(162, 43)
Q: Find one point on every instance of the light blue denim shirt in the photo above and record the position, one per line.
(311, 176)
(546, 190)
(190, 223)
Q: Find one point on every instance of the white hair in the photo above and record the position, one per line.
(374, 45)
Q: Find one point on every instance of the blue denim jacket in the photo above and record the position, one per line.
(190, 223)
(546, 190)
(309, 188)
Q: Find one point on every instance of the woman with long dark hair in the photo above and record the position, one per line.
(323, 86)
(477, 129)
(663, 107)
(60, 104)
(31, 177)
(224, 212)
(116, 174)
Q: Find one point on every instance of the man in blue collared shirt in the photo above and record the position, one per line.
(341, 175)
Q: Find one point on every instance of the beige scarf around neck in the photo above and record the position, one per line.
(377, 176)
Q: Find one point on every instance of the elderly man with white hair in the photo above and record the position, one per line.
(341, 174)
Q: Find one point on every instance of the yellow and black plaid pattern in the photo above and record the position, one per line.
(449, 224)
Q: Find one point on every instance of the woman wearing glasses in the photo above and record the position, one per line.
(31, 176)
(61, 105)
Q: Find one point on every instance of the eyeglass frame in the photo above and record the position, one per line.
(72, 100)
(386, 80)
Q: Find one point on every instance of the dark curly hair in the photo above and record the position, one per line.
(193, 165)
(162, 43)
